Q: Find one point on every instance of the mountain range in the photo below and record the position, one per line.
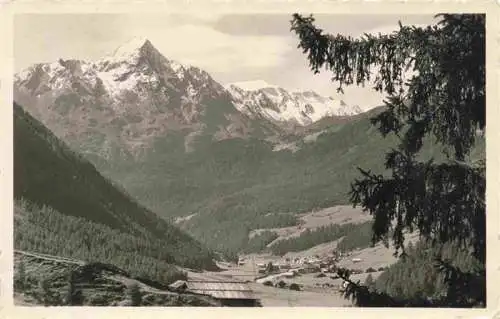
(135, 96)
(280, 106)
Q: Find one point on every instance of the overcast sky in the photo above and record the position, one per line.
(232, 48)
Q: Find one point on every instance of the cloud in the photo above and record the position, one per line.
(204, 47)
(388, 29)
(279, 24)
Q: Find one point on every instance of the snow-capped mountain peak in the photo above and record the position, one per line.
(131, 47)
(261, 99)
(128, 90)
(251, 85)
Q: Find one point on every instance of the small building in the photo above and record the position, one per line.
(284, 266)
(228, 293)
(311, 268)
(301, 270)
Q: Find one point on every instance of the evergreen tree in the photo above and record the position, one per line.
(20, 277)
(135, 295)
(46, 296)
(45, 292)
(369, 282)
(442, 101)
(74, 296)
(269, 267)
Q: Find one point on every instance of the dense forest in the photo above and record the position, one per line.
(353, 236)
(415, 277)
(50, 177)
(269, 189)
(235, 186)
(259, 242)
(44, 230)
(361, 237)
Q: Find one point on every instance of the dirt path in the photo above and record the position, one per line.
(276, 297)
(50, 257)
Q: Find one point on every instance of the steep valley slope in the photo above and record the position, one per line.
(65, 207)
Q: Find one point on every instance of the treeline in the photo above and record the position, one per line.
(359, 239)
(227, 230)
(259, 242)
(415, 275)
(310, 238)
(43, 230)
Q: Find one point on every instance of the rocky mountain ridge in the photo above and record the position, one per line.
(279, 105)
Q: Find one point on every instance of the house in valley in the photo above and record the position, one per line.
(228, 293)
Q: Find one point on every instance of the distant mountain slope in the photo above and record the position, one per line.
(57, 188)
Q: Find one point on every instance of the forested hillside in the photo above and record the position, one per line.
(65, 206)
(351, 236)
(44, 230)
(253, 187)
(237, 185)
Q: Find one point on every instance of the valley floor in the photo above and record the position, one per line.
(278, 297)
(316, 291)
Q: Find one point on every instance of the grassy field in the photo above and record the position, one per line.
(341, 214)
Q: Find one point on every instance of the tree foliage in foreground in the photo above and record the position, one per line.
(434, 79)
(414, 276)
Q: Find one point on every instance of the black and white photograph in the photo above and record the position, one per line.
(291, 159)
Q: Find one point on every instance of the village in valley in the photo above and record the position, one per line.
(296, 279)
